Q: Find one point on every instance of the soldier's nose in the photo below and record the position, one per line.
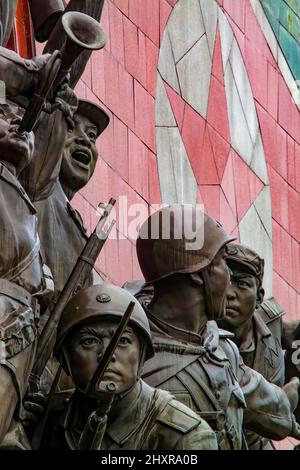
(84, 141)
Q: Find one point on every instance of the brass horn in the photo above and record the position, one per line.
(83, 33)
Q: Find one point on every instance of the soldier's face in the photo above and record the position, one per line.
(219, 282)
(80, 154)
(14, 148)
(86, 349)
(242, 297)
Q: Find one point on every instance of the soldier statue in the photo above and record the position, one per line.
(194, 360)
(258, 327)
(139, 416)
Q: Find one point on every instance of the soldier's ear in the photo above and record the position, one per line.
(260, 295)
(197, 279)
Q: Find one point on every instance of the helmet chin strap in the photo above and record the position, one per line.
(208, 294)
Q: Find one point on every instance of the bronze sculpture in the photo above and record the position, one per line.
(139, 417)
(194, 360)
(260, 332)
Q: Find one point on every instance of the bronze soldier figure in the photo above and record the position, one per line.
(139, 416)
(194, 360)
(61, 229)
(258, 340)
(21, 274)
(259, 329)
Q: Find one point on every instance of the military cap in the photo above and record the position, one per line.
(94, 113)
(246, 257)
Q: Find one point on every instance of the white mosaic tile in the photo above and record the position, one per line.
(254, 235)
(258, 161)
(244, 89)
(227, 37)
(166, 64)
(240, 136)
(185, 26)
(194, 72)
(163, 112)
(263, 207)
(177, 180)
(209, 10)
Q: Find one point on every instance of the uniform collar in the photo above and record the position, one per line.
(264, 334)
(10, 178)
(132, 409)
(129, 411)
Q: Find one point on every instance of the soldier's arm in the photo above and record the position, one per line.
(8, 400)
(268, 411)
(198, 439)
(18, 74)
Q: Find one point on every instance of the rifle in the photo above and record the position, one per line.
(95, 427)
(94, 430)
(76, 281)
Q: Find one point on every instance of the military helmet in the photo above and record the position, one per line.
(178, 239)
(246, 257)
(105, 300)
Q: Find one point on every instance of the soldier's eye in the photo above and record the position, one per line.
(89, 341)
(92, 136)
(124, 340)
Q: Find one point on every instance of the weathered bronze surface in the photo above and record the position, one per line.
(138, 416)
(194, 360)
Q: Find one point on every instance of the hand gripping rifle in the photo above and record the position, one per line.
(76, 281)
(92, 435)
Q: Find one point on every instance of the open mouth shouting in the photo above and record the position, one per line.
(82, 157)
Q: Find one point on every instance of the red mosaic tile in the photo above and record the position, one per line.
(255, 34)
(105, 144)
(228, 185)
(80, 90)
(120, 148)
(217, 101)
(273, 81)
(193, 129)
(291, 161)
(288, 114)
(276, 229)
(294, 210)
(144, 115)
(237, 11)
(211, 198)
(105, 23)
(297, 166)
(122, 5)
(295, 265)
(227, 217)
(132, 47)
(125, 106)
(217, 63)
(257, 68)
(98, 74)
(125, 271)
(87, 75)
(146, 16)
(178, 107)
(279, 198)
(154, 185)
(203, 163)
(239, 35)
(274, 141)
(111, 80)
(116, 33)
(255, 185)
(286, 256)
(151, 65)
(164, 13)
(221, 150)
(138, 165)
